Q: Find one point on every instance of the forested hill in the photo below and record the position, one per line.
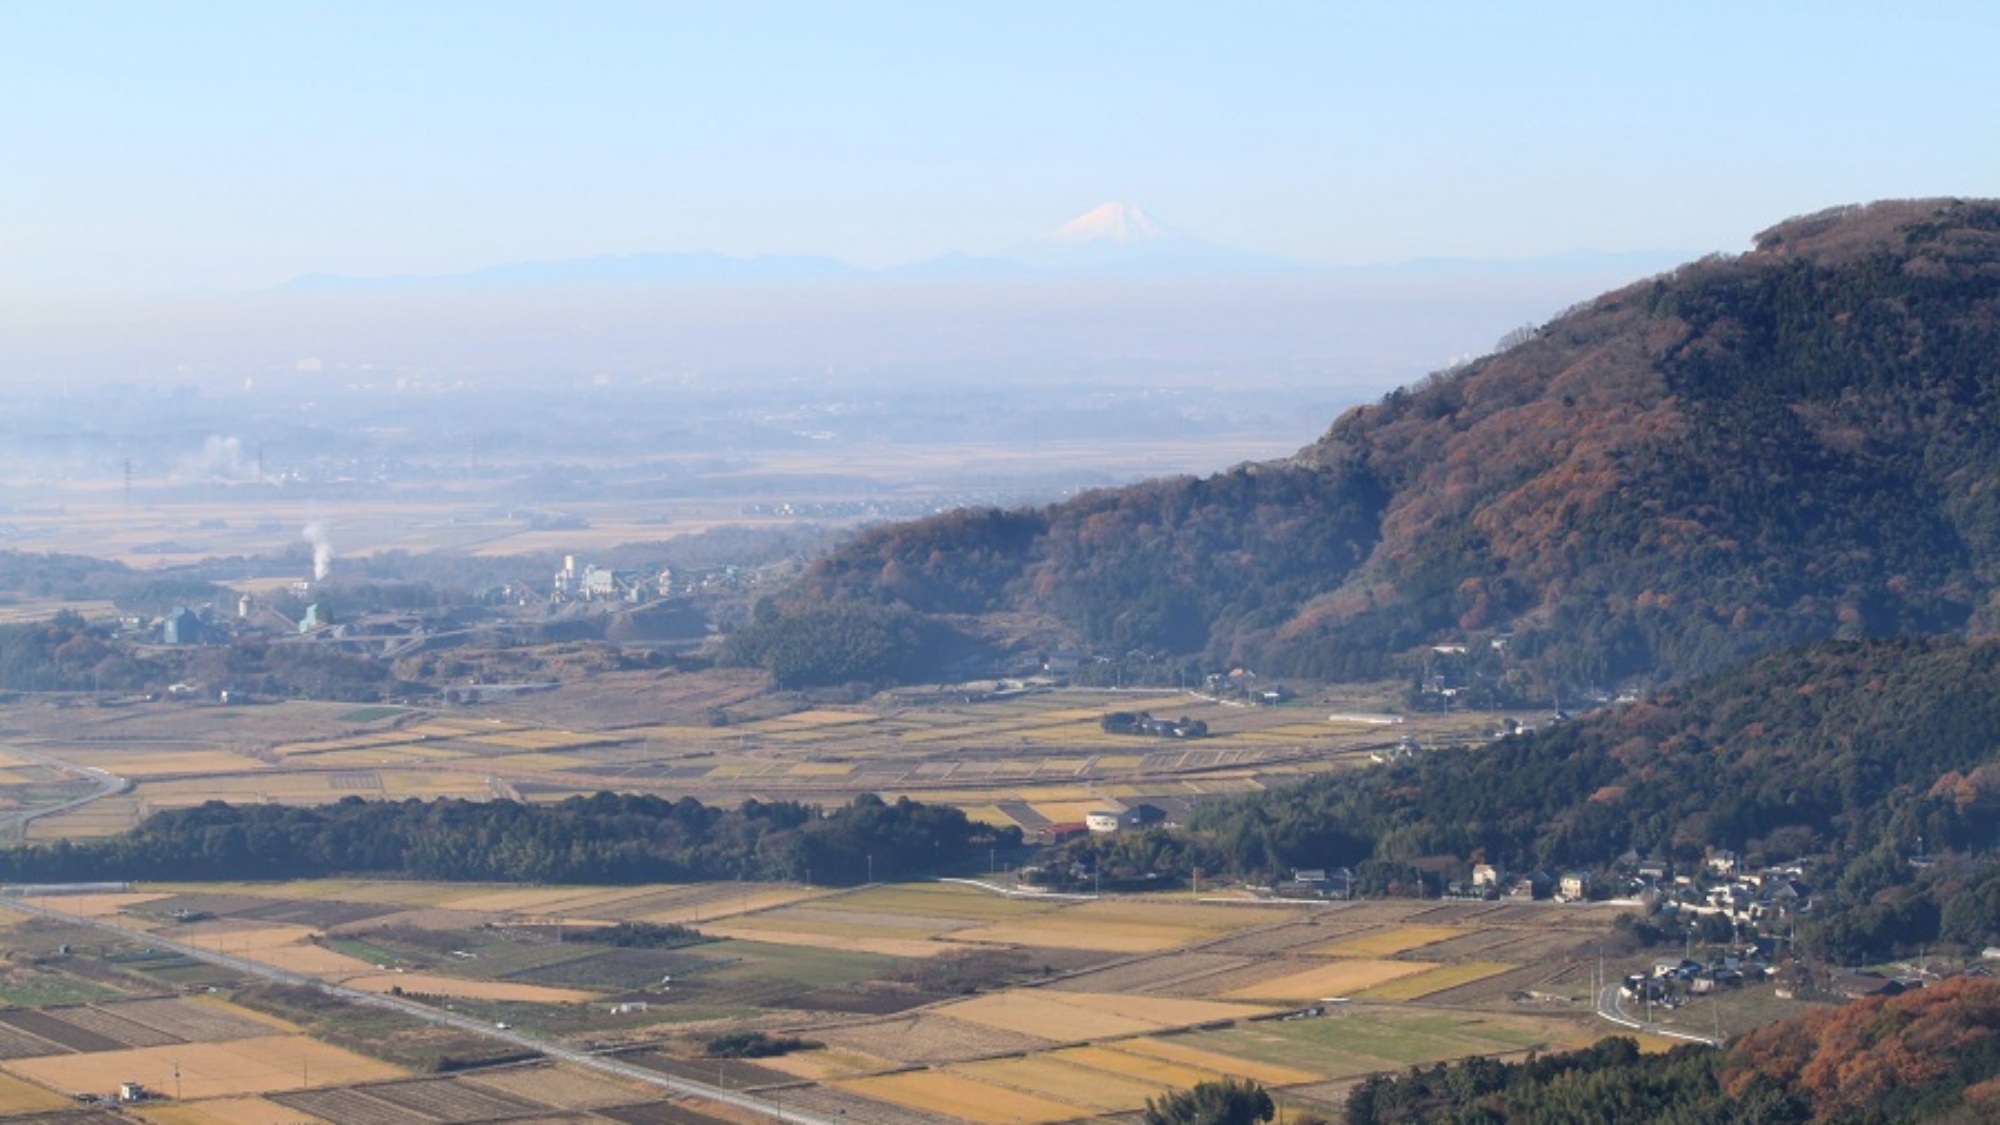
(1927, 1056)
(1858, 754)
(1800, 442)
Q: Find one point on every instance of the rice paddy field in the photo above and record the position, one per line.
(940, 1002)
(931, 1002)
(1030, 759)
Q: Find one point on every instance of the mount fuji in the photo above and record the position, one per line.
(1122, 239)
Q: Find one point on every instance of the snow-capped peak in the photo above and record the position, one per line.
(1113, 222)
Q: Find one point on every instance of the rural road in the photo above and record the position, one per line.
(1611, 1006)
(769, 1107)
(15, 823)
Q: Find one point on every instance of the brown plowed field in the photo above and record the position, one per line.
(194, 1021)
(732, 1073)
(55, 1029)
(1455, 913)
(18, 1044)
(348, 1107)
(558, 1086)
(661, 1113)
(126, 1033)
(1285, 938)
(451, 1100)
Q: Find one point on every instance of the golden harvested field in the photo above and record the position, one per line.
(1176, 1052)
(1339, 978)
(17, 1097)
(155, 763)
(209, 1070)
(1388, 943)
(941, 1092)
(1053, 1076)
(311, 960)
(430, 984)
(827, 1062)
(225, 1111)
(1089, 1015)
(97, 906)
(1434, 980)
(1135, 1067)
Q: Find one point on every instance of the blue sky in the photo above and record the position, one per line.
(196, 144)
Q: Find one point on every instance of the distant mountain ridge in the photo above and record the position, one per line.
(1797, 443)
(1113, 241)
(602, 270)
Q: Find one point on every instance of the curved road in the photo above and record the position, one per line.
(770, 1107)
(1611, 1006)
(15, 823)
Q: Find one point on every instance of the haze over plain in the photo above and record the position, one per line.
(181, 163)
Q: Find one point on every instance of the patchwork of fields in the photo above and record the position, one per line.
(928, 1002)
(1030, 760)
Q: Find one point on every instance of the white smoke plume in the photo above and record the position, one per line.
(221, 458)
(315, 534)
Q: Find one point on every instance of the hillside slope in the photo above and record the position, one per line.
(1926, 1056)
(1800, 442)
(1850, 755)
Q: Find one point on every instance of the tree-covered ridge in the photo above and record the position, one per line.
(1750, 452)
(1862, 753)
(606, 838)
(1926, 1056)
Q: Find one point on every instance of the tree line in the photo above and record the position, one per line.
(605, 838)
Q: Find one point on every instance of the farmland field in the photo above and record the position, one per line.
(237, 1066)
(1082, 1015)
(1388, 943)
(1081, 1007)
(942, 1092)
(1328, 979)
(1434, 980)
(1028, 760)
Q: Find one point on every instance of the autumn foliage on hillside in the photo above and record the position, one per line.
(1931, 1056)
(1858, 754)
(1792, 444)
(1871, 1055)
